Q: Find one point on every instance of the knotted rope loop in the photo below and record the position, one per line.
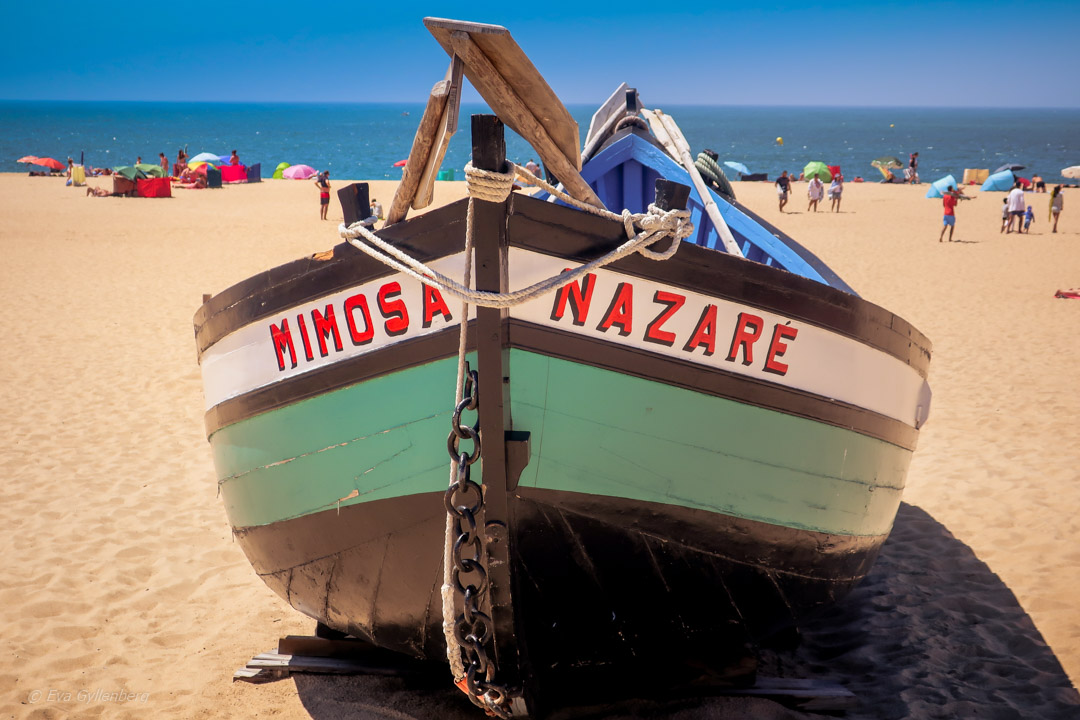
(489, 185)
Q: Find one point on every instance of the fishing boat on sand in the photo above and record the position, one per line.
(673, 432)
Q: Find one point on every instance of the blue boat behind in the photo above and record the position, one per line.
(624, 168)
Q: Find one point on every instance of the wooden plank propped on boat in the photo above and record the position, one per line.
(423, 142)
(515, 90)
(447, 128)
(671, 137)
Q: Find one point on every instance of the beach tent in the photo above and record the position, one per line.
(938, 187)
(975, 176)
(298, 172)
(205, 157)
(282, 167)
(1001, 182)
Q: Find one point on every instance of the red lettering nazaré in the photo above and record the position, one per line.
(654, 332)
(579, 296)
(704, 332)
(747, 331)
(621, 311)
(777, 348)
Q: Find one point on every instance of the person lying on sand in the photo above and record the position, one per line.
(98, 192)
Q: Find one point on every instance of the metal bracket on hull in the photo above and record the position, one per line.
(518, 450)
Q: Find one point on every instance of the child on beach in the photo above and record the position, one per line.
(1004, 213)
(1029, 217)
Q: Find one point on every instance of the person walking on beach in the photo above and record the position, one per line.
(1029, 217)
(815, 191)
(532, 167)
(783, 187)
(164, 164)
(322, 181)
(836, 189)
(949, 200)
(913, 166)
(1004, 213)
(1017, 206)
(1057, 203)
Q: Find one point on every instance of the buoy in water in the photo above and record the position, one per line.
(779, 141)
(891, 125)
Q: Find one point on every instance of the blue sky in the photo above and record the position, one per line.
(964, 53)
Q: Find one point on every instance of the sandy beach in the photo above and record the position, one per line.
(124, 595)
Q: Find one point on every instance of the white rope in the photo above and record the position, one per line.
(492, 186)
(654, 225)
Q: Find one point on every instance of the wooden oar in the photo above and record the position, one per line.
(447, 128)
(426, 136)
(671, 137)
(501, 96)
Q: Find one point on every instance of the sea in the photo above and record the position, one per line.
(364, 141)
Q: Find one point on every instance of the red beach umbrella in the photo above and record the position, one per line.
(50, 163)
(31, 159)
(400, 163)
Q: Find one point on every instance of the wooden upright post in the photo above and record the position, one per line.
(490, 245)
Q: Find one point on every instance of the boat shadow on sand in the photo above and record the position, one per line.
(931, 633)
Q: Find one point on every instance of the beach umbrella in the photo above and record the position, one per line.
(938, 187)
(298, 172)
(50, 163)
(400, 163)
(128, 171)
(150, 170)
(205, 157)
(819, 169)
(279, 170)
(737, 167)
(1008, 166)
(29, 159)
(887, 161)
(834, 169)
(1072, 172)
(999, 181)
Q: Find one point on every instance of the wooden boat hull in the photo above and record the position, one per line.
(700, 477)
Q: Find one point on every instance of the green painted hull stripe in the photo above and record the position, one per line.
(612, 434)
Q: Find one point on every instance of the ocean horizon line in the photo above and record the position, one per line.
(379, 103)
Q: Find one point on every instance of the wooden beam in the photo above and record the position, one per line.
(498, 92)
(491, 246)
(418, 155)
(446, 130)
